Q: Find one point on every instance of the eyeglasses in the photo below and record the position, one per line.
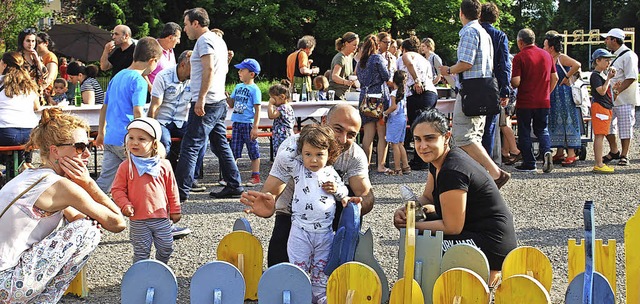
(387, 42)
(80, 146)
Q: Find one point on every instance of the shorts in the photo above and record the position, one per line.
(600, 119)
(241, 135)
(466, 129)
(624, 117)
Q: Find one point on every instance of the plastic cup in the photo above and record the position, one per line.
(331, 94)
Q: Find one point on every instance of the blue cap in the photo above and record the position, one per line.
(250, 64)
(601, 53)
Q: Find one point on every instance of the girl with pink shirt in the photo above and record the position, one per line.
(146, 191)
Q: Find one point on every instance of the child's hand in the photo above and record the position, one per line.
(352, 199)
(254, 133)
(272, 101)
(175, 217)
(127, 211)
(329, 187)
(612, 73)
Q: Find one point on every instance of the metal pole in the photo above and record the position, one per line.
(589, 55)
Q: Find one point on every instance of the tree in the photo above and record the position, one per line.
(142, 16)
(16, 16)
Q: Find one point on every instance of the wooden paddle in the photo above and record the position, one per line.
(407, 290)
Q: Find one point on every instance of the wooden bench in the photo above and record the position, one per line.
(13, 162)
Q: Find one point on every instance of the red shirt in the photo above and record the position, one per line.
(534, 66)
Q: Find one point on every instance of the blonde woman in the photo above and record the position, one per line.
(342, 64)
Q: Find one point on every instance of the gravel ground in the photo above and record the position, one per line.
(547, 211)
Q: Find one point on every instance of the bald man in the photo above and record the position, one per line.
(118, 53)
(277, 192)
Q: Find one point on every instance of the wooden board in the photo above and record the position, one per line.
(466, 256)
(529, 261)
(147, 275)
(355, 279)
(520, 288)
(429, 256)
(78, 286)
(632, 257)
(244, 251)
(242, 224)
(281, 279)
(406, 289)
(604, 263)
(364, 254)
(602, 292)
(217, 277)
(460, 284)
(345, 241)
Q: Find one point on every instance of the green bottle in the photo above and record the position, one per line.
(78, 95)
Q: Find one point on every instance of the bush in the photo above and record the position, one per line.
(264, 86)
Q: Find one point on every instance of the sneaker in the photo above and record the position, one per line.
(222, 183)
(603, 170)
(227, 192)
(523, 168)
(196, 187)
(179, 232)
(503, 179)
(254, 181)
(547, 163)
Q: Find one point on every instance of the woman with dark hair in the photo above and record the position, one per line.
(373, 76)
(50, 61)
(460, 197)
(85, 77)
(565, 119)
(27, 41)
(384, 49)
(420, 91)
(18, 101)
(342, 64)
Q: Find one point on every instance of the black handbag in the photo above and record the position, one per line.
(480, 96)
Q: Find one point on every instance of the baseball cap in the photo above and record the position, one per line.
(614, 32)
(147, 124)
(601, 53)
(250, 64)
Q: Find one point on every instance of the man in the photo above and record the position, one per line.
(501, 69)
(118, 53)
(169, 38)
(625, 96)
(276, 196)
(475, 59)
(534, 74)
(299, 69)
(208, 108)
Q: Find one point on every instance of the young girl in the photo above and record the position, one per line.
(281, 112)
(321, 84)
(146, 191)
(317, 189)
(397, 124)
(601, 106)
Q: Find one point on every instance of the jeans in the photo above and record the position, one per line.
(195, 139)
(173, 151)
(15, 137)
(111, 159)
(491, 122)
(540, 118)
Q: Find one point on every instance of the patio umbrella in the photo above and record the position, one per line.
(81, 41)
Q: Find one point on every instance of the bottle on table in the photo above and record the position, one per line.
(78, 95)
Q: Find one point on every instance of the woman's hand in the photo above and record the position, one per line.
(75, 170)
(260, 204)
(400, 217)
(565, 81)
(417, 86)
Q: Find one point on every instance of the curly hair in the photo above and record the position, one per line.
(411, 44)
(554, 39)
(281, 88)
(55, 128)
(16, 80)
(321, 137)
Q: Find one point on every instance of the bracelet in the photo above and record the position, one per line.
(449, 70)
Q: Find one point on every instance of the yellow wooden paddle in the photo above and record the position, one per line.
(632, 257)
(407, 290)
(244, 251)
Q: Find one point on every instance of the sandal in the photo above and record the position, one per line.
(513, 159)
(611, 156)
(393, 172)
(623, 161)
(569, 162)
(558, 159)
(406, 170)
(386, 171)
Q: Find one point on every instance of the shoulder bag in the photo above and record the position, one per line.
(372, 105)
(22, 193)
(578, 88)
(480, 96)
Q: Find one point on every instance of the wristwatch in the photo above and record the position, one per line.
(449, 70)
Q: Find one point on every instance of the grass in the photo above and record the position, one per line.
(264, 86)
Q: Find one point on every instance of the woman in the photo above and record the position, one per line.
(384, 48)
(373, 76)
(32, 62)
(565, 119)
(428, 47)
(299, 70)
(342, 64)
(50, 61)
(421, 93)
(18, 101)
(85, 77)
(38, 259)
(460, 197)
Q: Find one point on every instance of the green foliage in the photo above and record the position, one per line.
(142, 16)
(16, 16)
(264, 86)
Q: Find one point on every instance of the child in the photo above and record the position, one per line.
(312, 207)
(397, 124)
(60, 92)
(601, 106)
(281, 112)
(63, 68)
(321, 84)
(146, 191)
(245, 101)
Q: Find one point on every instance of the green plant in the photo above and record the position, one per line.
(264, 86)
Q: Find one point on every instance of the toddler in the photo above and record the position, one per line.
(146, 191)
(397, 123)
(60, 92)
(321, 84)
(281, 112)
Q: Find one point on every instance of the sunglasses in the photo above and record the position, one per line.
(387, 42)
(80, 146)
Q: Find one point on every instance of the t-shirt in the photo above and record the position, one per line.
(175, 96)
(209, 44)
(352, 162)
(596, 80)
(126, 90)
(534, 66)
(292, 69)
(91, 84)
(17, 111)
(168, 59)
(346, 62)
(120, 59)
(245, 98)
(49, 58)
(626, 66)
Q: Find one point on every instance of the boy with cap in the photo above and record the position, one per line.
(146, 191)
(602, 104)
(245, 101)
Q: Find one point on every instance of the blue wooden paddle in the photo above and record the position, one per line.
(343, 248)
